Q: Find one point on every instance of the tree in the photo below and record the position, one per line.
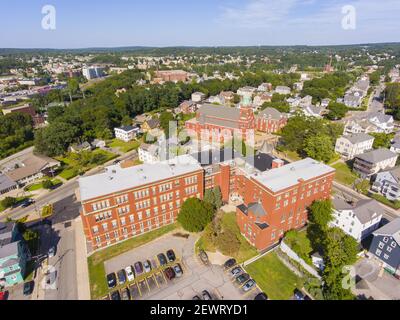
(165, 119)
(209, 197)
(382, 140)
(195, 215)
(47, 184)
(72, 87)
(319, 148)
(228, 243)
(320, 214)
(217, 197)
(8, 202)
(337, 111)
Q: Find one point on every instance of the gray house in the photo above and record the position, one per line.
(386, 246)
(388, 184)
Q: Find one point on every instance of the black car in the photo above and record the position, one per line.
(115, 295)
(27, 203)
(111, 280)
(171, 255)
(121, 276)
(242, 278)
(162, 259)
(230, 263)
(261, 296)
(28, 288)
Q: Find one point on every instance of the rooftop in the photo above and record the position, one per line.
(378, 155)
(287, 176)
(117, 179)
(365, 210)
(391, 229)
(358, 138)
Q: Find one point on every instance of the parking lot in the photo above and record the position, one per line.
(196, 276)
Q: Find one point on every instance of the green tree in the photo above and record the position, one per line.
(382, 140)
(217, 197)
(337, 111)
(8, 202)
(319, 148)
(47, 184)
(209, 197)
(165, 119)
(72, 87)
(195, 215)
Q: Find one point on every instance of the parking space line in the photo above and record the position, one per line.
(155, 279)
(147, 283)
(140, 291)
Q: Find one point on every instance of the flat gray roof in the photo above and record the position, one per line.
(376, 156)
(116, 179)
(289, 175)
(358, 137)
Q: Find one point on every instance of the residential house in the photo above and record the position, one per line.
(188, 106)
(313, 111)
(370, 163)
(325, 102)
(395, 144)
(126, 133)
(298, 86)
(198, 96)
(353, 99)
(77, 148)
(246, 91)
(264, 87)
(227, 97)
(385, 246)
(96, 143)
(214, 100)
(14, 255)
(283, 90)
(388, 184)
(350, 146)
(384, 123)
(149, 153)
(151, 124)
(7, 184)
(357, 220)
(260, 99)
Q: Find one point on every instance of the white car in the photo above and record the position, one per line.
(129, 273)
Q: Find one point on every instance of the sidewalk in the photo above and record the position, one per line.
(82, 272)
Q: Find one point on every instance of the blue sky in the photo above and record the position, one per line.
(109, 23)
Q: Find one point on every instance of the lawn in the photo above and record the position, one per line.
(72, 166)
(344, 174)
(97, 275)
(124, 146)
(300, 244)
(245, 252)
(38, 186)
(273, 277)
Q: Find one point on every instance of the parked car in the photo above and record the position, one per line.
(242, 278)
(51, 277)
(236, 271)
(125, 294)
(129, 273)
(121, 276)
(203, 256)
(196, 298)
(52, 252)
(147, 266)
(162, 259)
(298, 295)
(169, 273)
(27, 203)
(178, 270)
(138, 268)
(230, 263)
(111, 280)
(115, 295)
(249, 285)
(261, 296)
(171, 255)
(28, 288)
(206, 295)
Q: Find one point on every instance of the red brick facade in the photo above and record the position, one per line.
(270, 125)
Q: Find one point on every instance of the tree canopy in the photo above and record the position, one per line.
(195, 215)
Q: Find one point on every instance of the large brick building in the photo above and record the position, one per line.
(222, 122)
(276, 201)
(171, 76)
(125, 202)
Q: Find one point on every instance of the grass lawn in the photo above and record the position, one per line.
(124, 146)
(300, 244)
(245, 252)
(273, 277)
(344, 174)
(97, 274)
(69, 173)
(38, 186)
(382, 199)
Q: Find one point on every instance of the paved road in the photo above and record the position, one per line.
(65, 191)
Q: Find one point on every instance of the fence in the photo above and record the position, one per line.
(293, 255)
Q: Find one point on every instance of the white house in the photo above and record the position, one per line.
(357, 220)
(246, 91)
(388, 184)
(198, 96)
(370, 163)
(265, 87)
(283, 90)
(313, 111)
(350, 146)
(126, 133)
(384, 123)
(149, 153)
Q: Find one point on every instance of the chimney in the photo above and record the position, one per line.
(277, 163)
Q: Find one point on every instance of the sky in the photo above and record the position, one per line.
(115, 23)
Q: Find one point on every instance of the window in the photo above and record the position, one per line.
(95, 229)
(123, 222)
(273, 235)
(285, 203)
(105, 226)
(140, 217)
(378, 252)
(385, 239)
(131, 218)
(386, 257)
(393, 244)
(381, 245)
(389, 249)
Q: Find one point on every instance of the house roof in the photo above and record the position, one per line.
(270, 113)
(223, 116)
(382, 118)
(376, 156)
(209, 157)
(365, 210)
(153, 123)
(127, 128)
(358, 138)
(391, 229)
(262, 161)
(257, 209)
(6, 182)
